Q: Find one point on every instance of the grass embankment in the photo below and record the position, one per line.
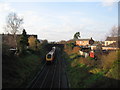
(18, 71)
(88, 73)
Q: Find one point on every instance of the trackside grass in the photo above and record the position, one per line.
(18, 71)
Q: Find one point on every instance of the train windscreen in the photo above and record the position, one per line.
(49, 56)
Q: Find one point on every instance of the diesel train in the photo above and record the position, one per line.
(51, 55)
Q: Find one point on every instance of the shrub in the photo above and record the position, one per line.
(76, 49)
(6, 51)
(107, 61)
(114, 72)
(19, 70)
(115, 69)
(87, 61)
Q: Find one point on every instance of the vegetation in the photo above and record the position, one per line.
(42, 49)
(89, 73)
(19, 70)
(114, 31)
(77, 35)
(13, 24)
(23, 42)
(107, 61)
(22, 68)
(32, 42)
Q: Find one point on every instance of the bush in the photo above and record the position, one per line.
(76, 49)
(87, 72)
(114, 72)
(6, 51)
(19, 70)
(87, 61)
(108, 60)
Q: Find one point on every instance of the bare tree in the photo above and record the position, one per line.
(118, 36)
(13, 24)
(114, 31)
(118, 30)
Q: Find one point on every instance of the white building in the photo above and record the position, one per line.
(110, 40)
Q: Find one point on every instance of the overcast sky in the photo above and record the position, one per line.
(57, 21)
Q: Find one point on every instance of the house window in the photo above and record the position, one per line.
(106, 43)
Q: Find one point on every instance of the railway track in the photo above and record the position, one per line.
(50, 76)
(56, 79)
(32, 83)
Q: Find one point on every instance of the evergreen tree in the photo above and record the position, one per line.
(23, 41)
(77, 35)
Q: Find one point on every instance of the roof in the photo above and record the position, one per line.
(83, 39)
(111, 39)
(18, 35)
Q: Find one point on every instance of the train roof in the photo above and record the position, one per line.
(53, 47)
(51, 52)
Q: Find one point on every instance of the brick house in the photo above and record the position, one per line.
(84, 42)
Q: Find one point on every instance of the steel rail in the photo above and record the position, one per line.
(59, 73)
(36, 77)
(53, 75)
(44, 79)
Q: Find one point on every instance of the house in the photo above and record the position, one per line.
(111, 41)
(8, 39)
(84, 42)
